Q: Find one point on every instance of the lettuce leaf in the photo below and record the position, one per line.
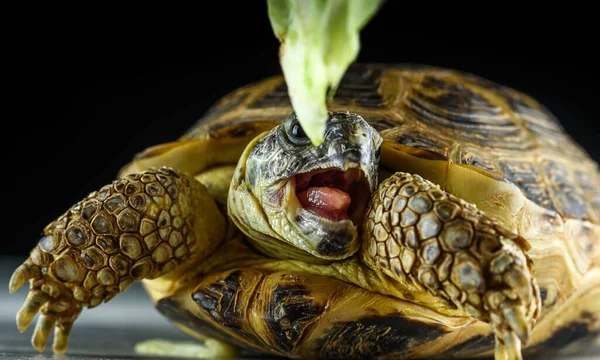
(319, 40)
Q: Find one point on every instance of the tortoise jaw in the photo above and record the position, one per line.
(334, 194)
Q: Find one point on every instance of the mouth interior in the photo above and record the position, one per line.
(334, 194)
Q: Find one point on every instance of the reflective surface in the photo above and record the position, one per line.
(112, 330)
(109, 331)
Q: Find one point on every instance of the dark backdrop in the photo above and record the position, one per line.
(94, 86)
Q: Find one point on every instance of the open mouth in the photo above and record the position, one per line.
(334, 194)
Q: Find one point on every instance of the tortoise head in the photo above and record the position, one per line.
(295, 200)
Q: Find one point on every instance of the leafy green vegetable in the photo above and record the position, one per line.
(319, 40)
(210, 349)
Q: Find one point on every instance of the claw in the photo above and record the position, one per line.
(42, 331)
(61, 337)
(21, 275)
(508, 347)
(33, 303)
(500, 351)
(513, 346)
(517, 322)
(519, 282)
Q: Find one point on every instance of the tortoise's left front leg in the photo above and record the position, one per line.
(144, 226)
(419, 234)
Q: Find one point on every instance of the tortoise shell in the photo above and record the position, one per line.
(546, 188)
(450, 115)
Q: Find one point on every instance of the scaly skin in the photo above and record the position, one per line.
(418, 233)
(140, 227)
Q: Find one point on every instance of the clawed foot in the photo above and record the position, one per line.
(513, 300)
(418, 233)
(57, 304)
(138, 227)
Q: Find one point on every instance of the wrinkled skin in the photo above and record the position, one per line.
(274, 172)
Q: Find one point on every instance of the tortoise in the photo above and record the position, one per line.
(445, 215)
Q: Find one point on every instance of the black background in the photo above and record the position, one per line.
(95, 86)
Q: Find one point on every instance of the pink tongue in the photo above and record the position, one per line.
(328, 202)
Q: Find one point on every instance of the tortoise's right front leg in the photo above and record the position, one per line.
(140, 227)
(423, 236)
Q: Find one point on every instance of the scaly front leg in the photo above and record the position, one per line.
(419, 234)
(141, 227)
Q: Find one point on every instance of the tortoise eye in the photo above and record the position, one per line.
(296, 133)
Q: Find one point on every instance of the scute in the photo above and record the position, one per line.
(526, 176)
(278, 97)
(375, 336)
(440, 101)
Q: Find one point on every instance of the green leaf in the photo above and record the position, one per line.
(319, 40)
(210, 349)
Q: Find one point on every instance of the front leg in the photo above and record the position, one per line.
(140, 227)
(417, 233)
